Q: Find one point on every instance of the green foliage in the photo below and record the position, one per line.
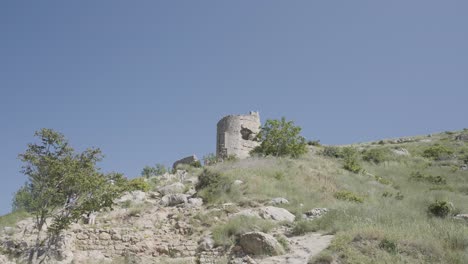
(280, 138)
(440, 208)
(12, 218)
(437, 152)
(226, 234)
(303, 226)
(314, 143)
(332, 151)
(210, 159)
(138, 184)
(375, 155)
(418, 176)
(196, 164)
(389, 245)
(157, 170)
(61, 184)
(212, 185)
(351, 159)
(348, 196)
(22, 199)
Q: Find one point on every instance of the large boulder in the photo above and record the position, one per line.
(172, 188)
(134, 197)
(190, 160)
(279, 200)
(259, 243)
(173, 199)
(276, 214)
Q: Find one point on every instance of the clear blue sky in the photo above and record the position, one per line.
(147, 81)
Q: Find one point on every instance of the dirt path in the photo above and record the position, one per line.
(302, 248)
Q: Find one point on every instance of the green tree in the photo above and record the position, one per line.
(61, 186)
(157, 170)
(281, 138)
(351, 159)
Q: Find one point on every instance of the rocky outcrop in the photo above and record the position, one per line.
(259, 243)
(172, 188)
(190, 160)
(276, 214)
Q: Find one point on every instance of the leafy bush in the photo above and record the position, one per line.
(280, 138)
(375, 155)
(212, 185)
(304, 226)
(158, 169)
(351, 160)
(418, 176)
(332, 151)
(348, 196)
(388, 245)
(437, 152)
(314, 143)
(440, 208)
(138, 184)
(210, 159)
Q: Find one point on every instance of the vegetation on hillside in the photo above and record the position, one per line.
(397, 208)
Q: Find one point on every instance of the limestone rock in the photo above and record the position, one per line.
(134, 196)
(279, 200)
(315, 213)
(172, 188)
(462, 217)
(237, 182)
(401, 152)
(276, 214)
(173, 199)
(205, 243)
(259, 243)
(197, 202)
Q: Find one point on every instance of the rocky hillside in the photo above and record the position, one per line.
(391, 201)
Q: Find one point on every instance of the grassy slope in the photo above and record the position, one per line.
(391, 225)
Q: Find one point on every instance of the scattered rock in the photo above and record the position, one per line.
(401, 152)
(315, 213)
(259, 243)
(173, 199)
(279, 200)
(205, 243)
(247, 212)
(462, 217)
(197, 202)
(276, 214)
(237, 182)
(134, 197)
(462, 137)
(172, 188)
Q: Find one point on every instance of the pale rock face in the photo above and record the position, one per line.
(315, 213)
(173, 199)
(172, 188)
(236, 134)
(276, 214)
(134, 196)
(401, 152)
(206, 243)
(259, 243)
(197, 202)
(279, 200)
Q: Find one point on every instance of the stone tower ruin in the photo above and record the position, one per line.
(235, 135)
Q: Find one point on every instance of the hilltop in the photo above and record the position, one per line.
(399, 200)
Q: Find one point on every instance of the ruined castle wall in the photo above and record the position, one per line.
(235, 135)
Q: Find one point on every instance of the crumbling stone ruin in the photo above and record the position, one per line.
(236, 134)
(187, 160)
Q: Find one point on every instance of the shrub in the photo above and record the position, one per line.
(418, 176)
(138, 184)
(210, 159)
(332, 151)
(440, 208)
(437, 152)
(351, 162)
(158, 169)
(348, 196)
(314, 143)
(388, 245)
(375, 155)
(280, 138)
(212, 185)
(304, 226)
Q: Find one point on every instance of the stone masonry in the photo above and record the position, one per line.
(236, 134)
